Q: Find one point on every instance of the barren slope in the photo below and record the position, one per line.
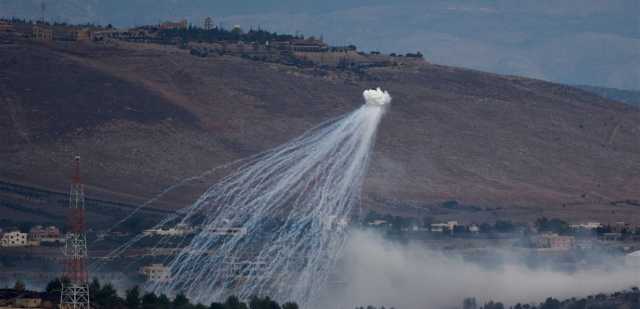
(144, 117)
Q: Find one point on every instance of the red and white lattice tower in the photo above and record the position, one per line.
(75, 292)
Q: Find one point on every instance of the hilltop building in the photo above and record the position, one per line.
(60, 33)
(139, 35)
(309, 45)
(6, 26)
(42, 33)
(80, 34)
(156, 273)
(169, 25)
(284, 49)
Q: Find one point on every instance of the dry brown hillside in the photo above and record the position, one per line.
(144, 117)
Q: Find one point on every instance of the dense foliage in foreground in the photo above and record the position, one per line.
(104, 296)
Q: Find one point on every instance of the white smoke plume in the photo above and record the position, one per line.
(380, 272)
(290, 207)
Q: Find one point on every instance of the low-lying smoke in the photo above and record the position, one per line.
(380, 272)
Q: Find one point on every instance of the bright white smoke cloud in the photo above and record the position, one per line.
(289, 207)
(376, 97)
(381, 272)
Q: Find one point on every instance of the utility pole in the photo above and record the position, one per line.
(208, 23)
(43, 8)
(75, 293)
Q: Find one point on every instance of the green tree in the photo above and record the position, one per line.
(107, 297)
(459, 229)
(290, 306)
(492, 305)
(215, 305)
(263, 303)
(427, 221)
(149, 301)
(163, 302)
(94, 287)
(503, 226)
(451, 204)
(54, 287)
(181, 302)
(486, 228)
(553, 225)
(19, 286)
(579, 304)
(234, 302)
(24, 227)
(469, 303)
(132, 299)
(551, 303)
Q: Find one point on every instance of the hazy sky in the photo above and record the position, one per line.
(572, 41)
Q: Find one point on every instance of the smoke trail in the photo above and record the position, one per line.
(289, 208)
(179, 184)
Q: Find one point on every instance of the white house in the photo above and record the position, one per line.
(156, 273)
(179, 230)
(14, 239)
(378, 223)
(587, 226)
(441, 227)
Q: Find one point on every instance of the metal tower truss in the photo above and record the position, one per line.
(75, 294)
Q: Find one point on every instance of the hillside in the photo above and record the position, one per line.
(631, 97)
(144, 116)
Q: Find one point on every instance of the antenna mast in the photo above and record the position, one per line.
(75, 294)
(43, 8)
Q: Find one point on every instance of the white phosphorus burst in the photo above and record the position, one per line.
(376, 97)
(287, 210)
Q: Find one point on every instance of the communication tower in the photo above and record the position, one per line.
(208, 23)
(75, 293)
(43, 8)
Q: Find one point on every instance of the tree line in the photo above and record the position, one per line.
(623, 299)
(105, 296)
(195, 34)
